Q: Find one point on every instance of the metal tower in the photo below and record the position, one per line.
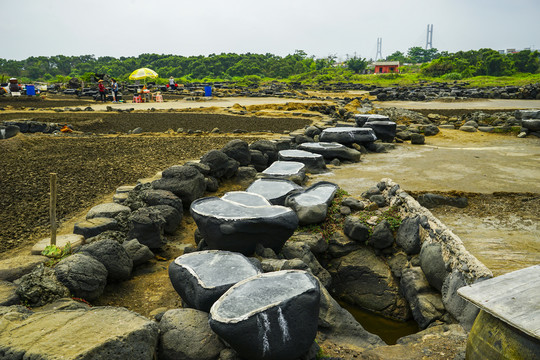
(429, 37)
(379, 49)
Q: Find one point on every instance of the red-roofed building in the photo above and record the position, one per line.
(386, 67)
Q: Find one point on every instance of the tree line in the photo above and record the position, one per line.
(231, 66)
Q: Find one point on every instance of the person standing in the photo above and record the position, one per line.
(101, 89)
(115, 90)
(172, 84)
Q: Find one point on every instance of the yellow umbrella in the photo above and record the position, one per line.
(143, 73)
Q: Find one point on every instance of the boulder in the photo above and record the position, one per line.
(361, 119)
(83, 275)
(353, 204)
(13, 268)
(270, 265)
(8, 293)
(295, 250)
(288, 170)
(361, 278)
(467, 128)
(269, 316)
(417, 139)
(186, 334)
(212, 184)
(356, 229)
(200, 278)
(430, 130)
(527, 114)
(266, 147)
(274, 190)
(107, 210)
(238, 150)
(382, 236)
(332, 150)
(186, 182)
(147, 226)
(426, 304)
(384, 130)
(9, 131)
(430, 200)
(221, 166)
(138, 252)
(314, 162)
(462, 310)
(312, 131)
(153, 197)
(40, 287)
(531, 124)
(199, 166)
(312, 205)
(348, 135)
(245, 175)
(433, 265)
(340, 245)
(315, 241)
(259, 160)
(113, 256)
(172, 217)
(408, 235)
(98, 333)
(94, 226)
(235, 226)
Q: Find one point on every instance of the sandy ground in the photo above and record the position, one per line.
(467, 104)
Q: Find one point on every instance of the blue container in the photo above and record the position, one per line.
(30, 90)
(207, 91)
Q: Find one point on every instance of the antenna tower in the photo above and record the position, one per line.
(379, 49)
(429, 37)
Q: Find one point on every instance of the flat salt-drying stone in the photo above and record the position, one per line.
(246, 198)
(314, 162)
(289, 170)
(74, 241)
(269, 316)
(332, 150)
(384, 130)
(311, 206)
(513, 298)
(108, 210)
(200, 278)
(233, 226)
(361, 119)
(274, 190)
(348, 135)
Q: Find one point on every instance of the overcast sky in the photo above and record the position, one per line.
(320, 28)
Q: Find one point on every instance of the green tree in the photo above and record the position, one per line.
(356, 64)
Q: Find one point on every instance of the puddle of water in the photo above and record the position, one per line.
(388, 330)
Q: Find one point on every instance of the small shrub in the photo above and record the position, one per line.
(452, 76)
(55, 253)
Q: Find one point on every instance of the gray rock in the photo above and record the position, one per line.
(527, 114)
(14, 267)
(94, 226)
(83, 275)
(462, 310)
(9, 131)
(426, 304)
(382, 236)
(430, 130)
(403, 135)
(245, 175)
(40, 287)
(356, 229)
(147, 226)
(269, 265)
(212, 184)
(408, 235)
(531, 124)
(471, 123)
(348, 135)
(433, 265)
(379, 200)
(8, 293)
(311, 131)
(288, 170)
(185, 334)
(468, 128)
(363, 279)
(200, 278)
(153, 197)
(353, 204)
(115, 235)
(221, 166)
(331, 151)
(362, 119)
(259, 160)
(315, 241)
(417, 139)
(340, 245)
(430, 200)
(64, 304)
(239, 151)
(314, 162)
(384, 130)
(266, 147)
(172, 217)
(138, 252)
(186, 182)
(235, 226)
(295, 250)
(107, 210)
(269, 316)
(311, 206)
(98, 333)
(199, 166)
(274, 190)
(113, 256)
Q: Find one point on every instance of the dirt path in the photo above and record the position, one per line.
(468, 104)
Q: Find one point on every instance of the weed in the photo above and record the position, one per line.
(55, 253)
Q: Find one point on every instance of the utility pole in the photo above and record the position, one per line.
(429, 37)
(379, 49)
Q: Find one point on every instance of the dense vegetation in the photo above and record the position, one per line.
(418, 64)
